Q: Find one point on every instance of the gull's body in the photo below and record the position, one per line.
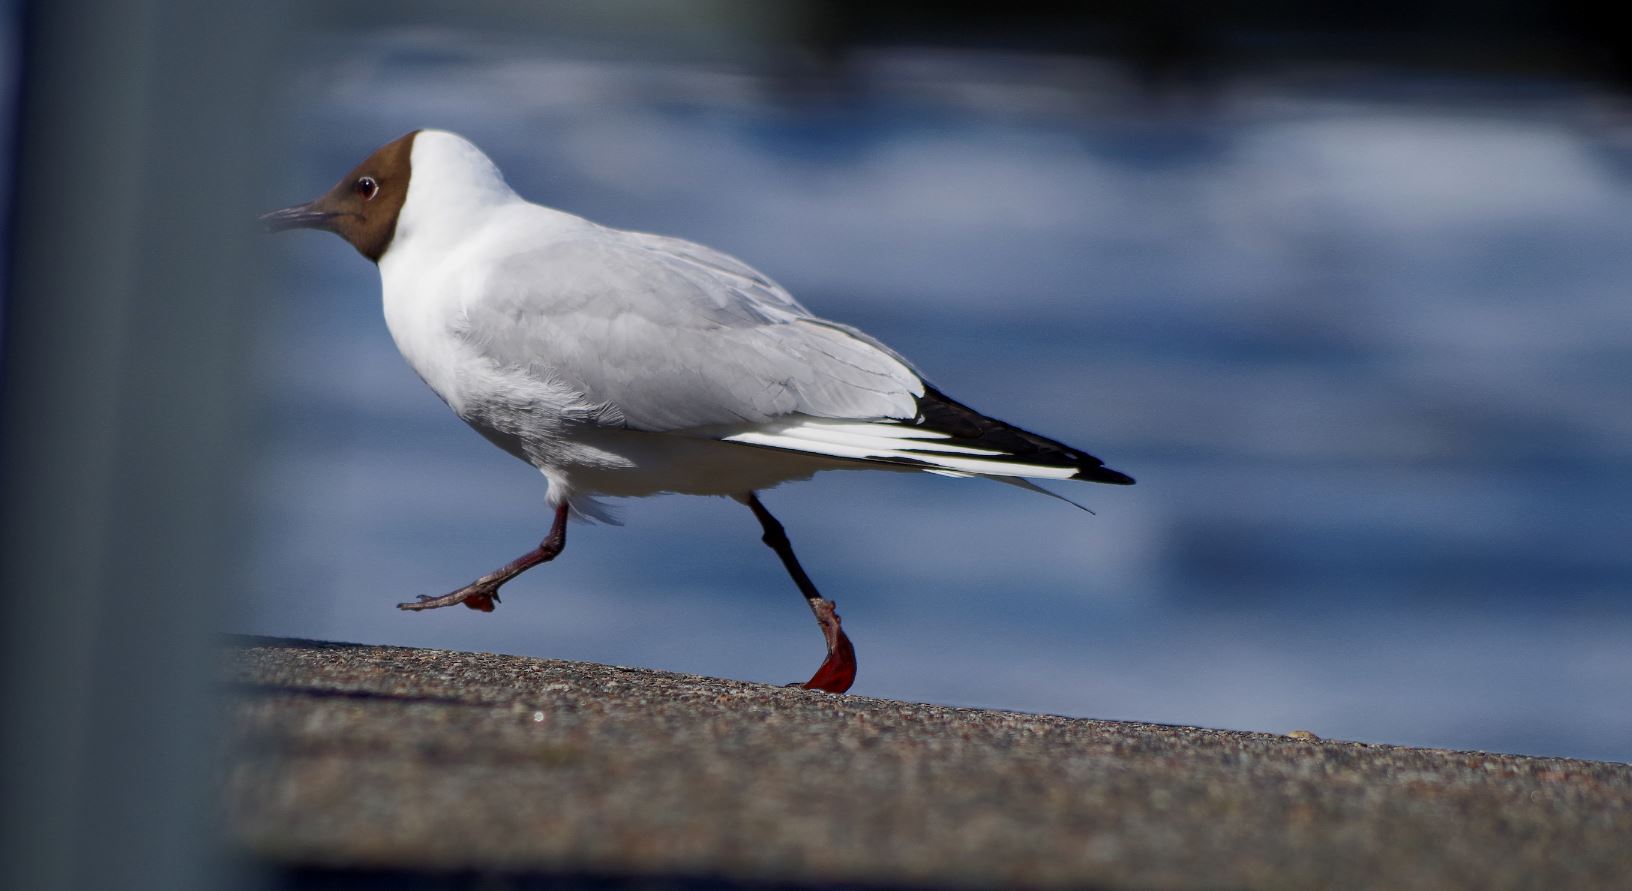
(627, 364)
(552, 336)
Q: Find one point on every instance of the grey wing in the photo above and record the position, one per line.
(660, 334)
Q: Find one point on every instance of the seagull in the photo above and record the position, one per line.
(625, 364)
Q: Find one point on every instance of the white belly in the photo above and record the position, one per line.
(630, 463)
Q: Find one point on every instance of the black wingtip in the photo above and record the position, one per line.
(938, 412)
(1104, 475)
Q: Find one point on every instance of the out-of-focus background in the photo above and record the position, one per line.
(1348, 297)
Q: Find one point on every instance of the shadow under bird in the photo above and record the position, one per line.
(627, 364)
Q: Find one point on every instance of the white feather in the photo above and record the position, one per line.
(889, 442)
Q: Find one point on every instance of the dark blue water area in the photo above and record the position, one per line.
(1363, 339)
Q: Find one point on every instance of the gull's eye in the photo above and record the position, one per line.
(366, 188)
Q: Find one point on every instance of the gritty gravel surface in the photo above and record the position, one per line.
(406, 762)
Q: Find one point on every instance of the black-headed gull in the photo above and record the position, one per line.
(626, 364)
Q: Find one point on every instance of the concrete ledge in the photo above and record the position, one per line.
(392, 764)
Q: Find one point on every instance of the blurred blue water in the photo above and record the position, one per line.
(1364, 340)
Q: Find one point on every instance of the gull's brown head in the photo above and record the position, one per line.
(362, 207)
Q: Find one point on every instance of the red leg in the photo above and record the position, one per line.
(483, 594)
(838, 670)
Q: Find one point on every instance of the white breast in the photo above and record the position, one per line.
(418, 315)
(428, 281)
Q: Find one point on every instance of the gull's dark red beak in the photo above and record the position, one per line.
(301, 216)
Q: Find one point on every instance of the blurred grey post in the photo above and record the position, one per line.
(135, 177)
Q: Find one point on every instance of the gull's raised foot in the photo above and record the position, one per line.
(475, 597)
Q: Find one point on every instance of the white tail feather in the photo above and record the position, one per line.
(891, 443)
